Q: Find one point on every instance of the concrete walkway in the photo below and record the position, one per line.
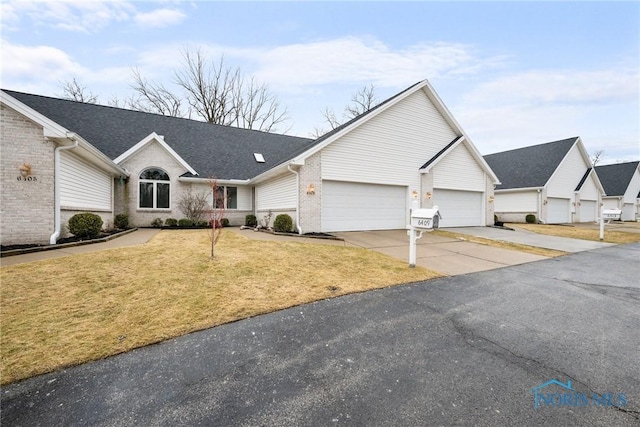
(138, 237)
(526, 237)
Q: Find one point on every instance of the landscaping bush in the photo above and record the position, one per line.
(170, 222)
(157, 223)
(250, 220)
(203, 223)
(283, 223)
(121, 221)
(531, 219)
(225, 222)
(85, 225)
(185, 222)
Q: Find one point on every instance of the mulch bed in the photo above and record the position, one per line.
(71, 239)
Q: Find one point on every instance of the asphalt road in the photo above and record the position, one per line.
(463, 350)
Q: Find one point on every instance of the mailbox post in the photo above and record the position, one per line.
(608, 214)
(421, 220)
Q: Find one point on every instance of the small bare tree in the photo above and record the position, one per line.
(193, 205)
(216, 214)
(74, 91)
(597, 156)
(361, 101)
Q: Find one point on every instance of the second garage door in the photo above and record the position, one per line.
(351, 206)
(558, 211)
(459, 208)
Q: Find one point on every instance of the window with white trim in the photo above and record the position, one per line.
(226, 198)
(154, 189)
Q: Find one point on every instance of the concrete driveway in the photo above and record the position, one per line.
(468, 350)
(443, 254)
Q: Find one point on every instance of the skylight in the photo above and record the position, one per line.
(259, 157)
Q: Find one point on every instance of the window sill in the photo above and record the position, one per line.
(152, 210)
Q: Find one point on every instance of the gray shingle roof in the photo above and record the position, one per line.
(616, 178)
(529, 166)
(212, 150)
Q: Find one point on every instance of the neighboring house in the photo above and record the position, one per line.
(553, 181)
(368, 174)
(621, 182)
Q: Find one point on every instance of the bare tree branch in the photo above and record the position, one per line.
(361, 101)
(74, 91)
(597, 156)
(153, 98)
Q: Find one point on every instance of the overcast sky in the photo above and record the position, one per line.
(512, 73)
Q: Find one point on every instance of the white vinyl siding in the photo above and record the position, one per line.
(279, 193)
(588, 210)
(525, 201)
(458, 170)
(391, 147)
(631, 195)
(558, 211)
(459, 208)
(628, 212)
(589, 189)
(568, 175)
(83, 186)
(349, 206)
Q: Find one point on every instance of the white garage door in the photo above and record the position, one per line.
(558, 211)
(350, 206)
(588, 210)
(628, 212)
(459, 208)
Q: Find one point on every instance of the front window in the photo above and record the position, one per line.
(154, 190)
(225, 198)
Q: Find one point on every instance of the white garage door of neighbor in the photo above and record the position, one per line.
(557, 211)
(351, 206)
(628, 212)
(588, 210)
(459, 208)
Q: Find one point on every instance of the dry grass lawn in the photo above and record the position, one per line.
(502, 244)
(610, 236)
(67, 311)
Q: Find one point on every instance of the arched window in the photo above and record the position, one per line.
(154, 189)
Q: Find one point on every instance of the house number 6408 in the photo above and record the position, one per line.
(27, 178)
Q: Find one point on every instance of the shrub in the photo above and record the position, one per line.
(85, 225)
(121, 221)
(225, 222)
(203, 223)
(283, 223)
(531, 219)
(157, 223)
(170, 222)
(185, 222)
(250, 220)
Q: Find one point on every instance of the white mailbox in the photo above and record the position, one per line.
(421, 220)
(611, 213)
(426, 218)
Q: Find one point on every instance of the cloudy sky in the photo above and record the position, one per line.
(512, 73)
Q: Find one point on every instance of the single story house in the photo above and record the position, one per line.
(621, 182)
(553, 181)
(368, 174)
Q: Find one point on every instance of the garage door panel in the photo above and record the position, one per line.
(459, 208)
(588, 210)
(350, 206)
(628, 212)
(558, 211)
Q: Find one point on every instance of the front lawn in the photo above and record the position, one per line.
(581, 232)
(67, 311)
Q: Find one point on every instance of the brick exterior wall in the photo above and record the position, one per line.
(26, 207)
(311, 204)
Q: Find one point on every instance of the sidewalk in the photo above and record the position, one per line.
(138, 237)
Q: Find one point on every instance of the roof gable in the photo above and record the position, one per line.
(151, 138)
(616, 178)
(529, 167)
(210, 150)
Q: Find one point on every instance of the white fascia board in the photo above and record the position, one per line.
(518, 190)
(150, 138)
(275, 171)
(443, 155)
(195, 180)
(51, 129)
(594, 174)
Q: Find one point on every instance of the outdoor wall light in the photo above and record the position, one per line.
(428, 194)
(491, 199)
(311, 189)
(414, 194)
(25, 170)
(545, 202)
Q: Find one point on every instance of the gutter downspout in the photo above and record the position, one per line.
(297, 199)
(56, 186)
